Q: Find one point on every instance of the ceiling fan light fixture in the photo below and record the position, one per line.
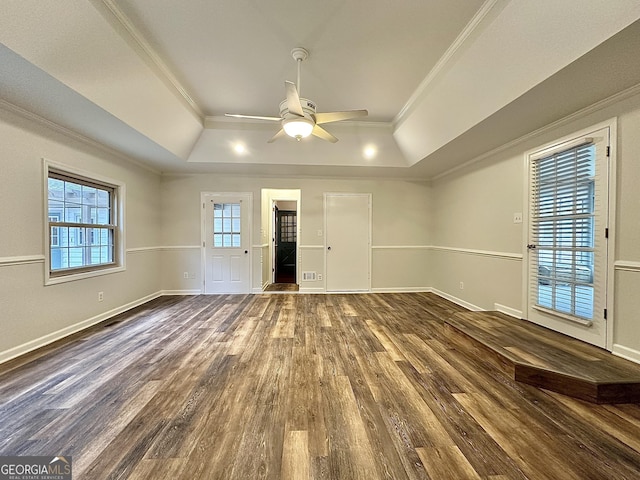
(298, 128)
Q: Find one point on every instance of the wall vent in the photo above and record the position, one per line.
(308, 276)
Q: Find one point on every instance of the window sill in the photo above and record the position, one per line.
(72, 277)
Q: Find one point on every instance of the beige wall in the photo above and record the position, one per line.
(400, 218)
(33, 314)
(477, 242)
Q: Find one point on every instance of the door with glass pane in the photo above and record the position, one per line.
(567, 237)
(286, 246)
(226, 242)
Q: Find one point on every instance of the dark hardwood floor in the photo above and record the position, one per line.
(282, 287)
(298, 386)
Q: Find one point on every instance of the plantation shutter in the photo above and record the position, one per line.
(567, 261)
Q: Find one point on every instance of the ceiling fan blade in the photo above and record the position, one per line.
(255, 117)
(293, 99)
(329, 117)
(320, 132)
(276, 136)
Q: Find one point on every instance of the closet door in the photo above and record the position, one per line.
(347, 242)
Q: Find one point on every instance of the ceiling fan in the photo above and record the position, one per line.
(298, 115)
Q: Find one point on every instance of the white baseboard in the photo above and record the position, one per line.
(312, 290)
(70, 330)
(626, 353)
(456, 300)
(508, 310)
(402, 290)
(181, 292)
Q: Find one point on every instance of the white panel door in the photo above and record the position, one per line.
(347, 242)
(226, 242)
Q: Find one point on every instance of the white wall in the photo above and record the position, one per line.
(477, 242)
(401, 219)
(32, 314)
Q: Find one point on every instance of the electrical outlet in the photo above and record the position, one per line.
(185, 275)
(100, 296)
(517, 217)
(319, 276)
(461, 285)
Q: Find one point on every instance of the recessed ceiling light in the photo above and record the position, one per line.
(239, 148)
(369, 152)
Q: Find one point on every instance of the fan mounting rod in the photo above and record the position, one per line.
(299, 54)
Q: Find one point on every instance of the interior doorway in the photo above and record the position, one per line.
(280, 257)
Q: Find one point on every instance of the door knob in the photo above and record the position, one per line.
(246, 251)
(328, 248)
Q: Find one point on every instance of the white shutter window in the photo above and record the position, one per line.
(565, 219)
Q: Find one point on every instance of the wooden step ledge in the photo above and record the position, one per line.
(546, 359)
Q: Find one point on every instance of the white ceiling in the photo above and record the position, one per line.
(234, 56)
(153, 78)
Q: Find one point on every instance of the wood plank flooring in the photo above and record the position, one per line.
(541, 357)
(295, 386)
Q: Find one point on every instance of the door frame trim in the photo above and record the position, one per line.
(268, 197)
(203, 251)
(610, 221)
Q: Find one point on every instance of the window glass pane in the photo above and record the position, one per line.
(103, 199)
(72, 214)
(56, 208)
(56, 258)
(94, 254)
(76, 257)
(226, 221)
(55, 236)
(56, 189)
(102, 216)
(79, 203)
(545, 295)
(89, 195)
(72, 193)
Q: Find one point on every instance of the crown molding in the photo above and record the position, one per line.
(599, 105)
(26, 114)
(458, 44)
(152, 56)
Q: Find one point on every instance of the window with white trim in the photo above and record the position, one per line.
(82, 224)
